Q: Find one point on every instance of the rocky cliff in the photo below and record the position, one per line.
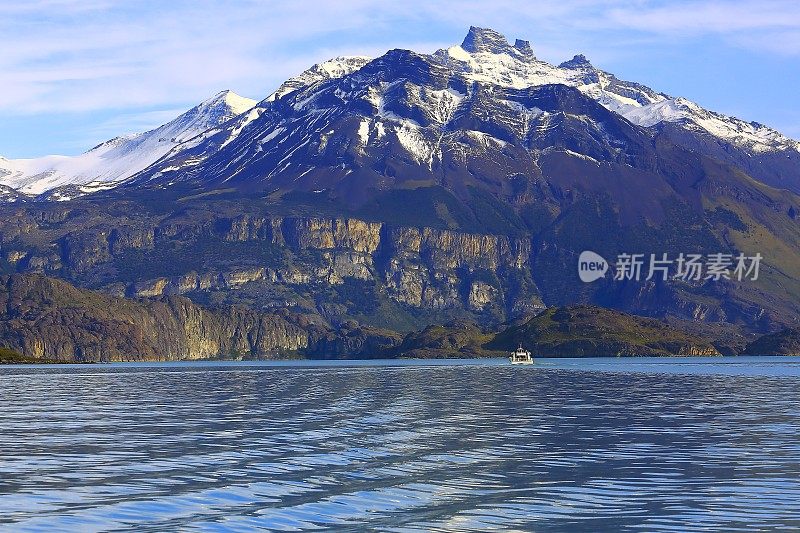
(46, 318)
(341, 268)
(234, 249)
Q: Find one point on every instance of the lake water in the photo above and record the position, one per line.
(564, 445)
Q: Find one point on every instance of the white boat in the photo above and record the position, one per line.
(521, 356)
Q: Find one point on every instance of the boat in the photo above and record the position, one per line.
(521, 356)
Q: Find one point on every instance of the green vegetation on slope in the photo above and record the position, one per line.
(11, 357)
(457, 339)
(581, 331)
(586, 331)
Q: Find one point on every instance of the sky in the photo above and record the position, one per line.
(74, 73)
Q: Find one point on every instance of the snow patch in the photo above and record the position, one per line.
(241, 124)
(363, 131)
(485, 139)
(271, 135)
(414, 142)
(331, 69)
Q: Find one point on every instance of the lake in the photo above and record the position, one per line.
(563, 445)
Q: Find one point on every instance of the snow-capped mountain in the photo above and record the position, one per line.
(194, 152)
(432, 116)
(759, 150)
(343, 115)
(486, 57)
(514, 164)
(117, 159)
(8, 194)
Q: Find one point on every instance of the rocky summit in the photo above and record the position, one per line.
(386, 195)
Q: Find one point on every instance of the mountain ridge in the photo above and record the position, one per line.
(120, 157)
(759, 149)
(484, 56)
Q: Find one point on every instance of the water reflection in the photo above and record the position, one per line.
(649, 446)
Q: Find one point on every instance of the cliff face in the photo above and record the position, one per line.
(312, 259)
(272, 261)
(47, 318)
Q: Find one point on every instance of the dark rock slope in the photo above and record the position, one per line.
(580, 331)
(586, 331)
(786, 342)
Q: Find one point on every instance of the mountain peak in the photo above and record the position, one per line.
(484, 40)
(333, 68)
(523, 47)
(342, 65)
(228, 99)
(577, 62)
(121, 157)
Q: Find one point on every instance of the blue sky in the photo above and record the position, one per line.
(74, 73)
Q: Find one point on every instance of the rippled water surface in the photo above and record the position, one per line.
(563, 445)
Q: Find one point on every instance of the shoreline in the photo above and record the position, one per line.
(305, 361)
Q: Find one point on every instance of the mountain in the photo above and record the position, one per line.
(484, 57)
(766, 154)
(419, 189)
(193, 154)
(420, 101)
(117, 159)
(61, 178)
(327, 70)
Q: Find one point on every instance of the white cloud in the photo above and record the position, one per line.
(704, 17)
(79, 56)
(71, 55)
(134, 122)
